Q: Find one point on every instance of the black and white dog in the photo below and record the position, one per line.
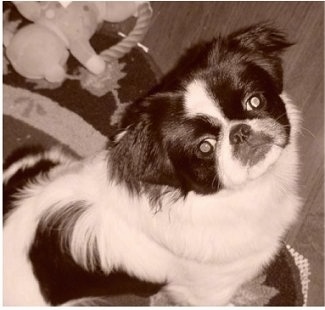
(194, 194)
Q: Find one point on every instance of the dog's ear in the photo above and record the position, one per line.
(263, 45)
(260, 38)
(156, 167)
(138, 152)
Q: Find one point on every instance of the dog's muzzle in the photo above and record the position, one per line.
(249, 146)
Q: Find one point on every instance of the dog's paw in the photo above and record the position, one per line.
(161, 299)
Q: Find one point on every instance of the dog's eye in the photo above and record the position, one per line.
(207, 146)
(253, 103)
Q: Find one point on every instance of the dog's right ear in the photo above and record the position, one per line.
(263, 45)
(260, 38)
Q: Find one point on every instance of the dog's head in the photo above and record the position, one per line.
(221, 124)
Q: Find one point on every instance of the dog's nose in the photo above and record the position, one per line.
(239, 133)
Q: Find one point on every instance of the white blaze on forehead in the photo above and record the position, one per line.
(199, 102)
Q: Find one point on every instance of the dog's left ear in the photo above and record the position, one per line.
(263, 45)
(137, 152)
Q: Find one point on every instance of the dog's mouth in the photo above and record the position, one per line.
(250, 155)
(254, 149)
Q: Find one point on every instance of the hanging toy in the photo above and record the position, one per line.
(41, 49)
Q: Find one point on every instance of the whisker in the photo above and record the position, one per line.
(308, 131)
(283, 114)
(218, 183)
(214, 179)
(302, 128)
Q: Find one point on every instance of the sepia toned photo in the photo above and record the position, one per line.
(163, 153)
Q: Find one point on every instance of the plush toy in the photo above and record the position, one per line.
(41, 49)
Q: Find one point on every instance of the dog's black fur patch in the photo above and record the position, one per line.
(61, 279)
(161, 148)
(24, 175)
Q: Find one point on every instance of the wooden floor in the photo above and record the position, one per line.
(178, 25)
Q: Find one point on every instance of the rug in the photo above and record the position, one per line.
(82, 112)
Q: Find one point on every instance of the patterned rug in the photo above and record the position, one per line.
(83, 111)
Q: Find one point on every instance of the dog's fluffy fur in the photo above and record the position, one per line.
(194, 193)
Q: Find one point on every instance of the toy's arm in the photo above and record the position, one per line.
(85, 54)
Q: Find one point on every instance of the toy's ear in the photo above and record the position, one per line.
(114, 11)
(259, 38)
(31, 10)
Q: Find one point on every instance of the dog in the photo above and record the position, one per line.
(193, 195)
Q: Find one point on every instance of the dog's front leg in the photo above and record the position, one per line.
(183, 296)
